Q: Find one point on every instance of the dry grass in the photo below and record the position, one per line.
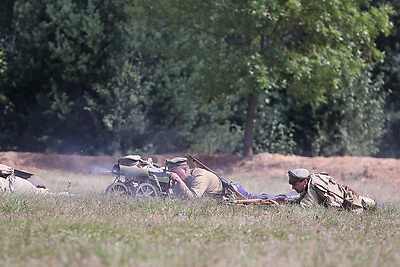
(96, 230)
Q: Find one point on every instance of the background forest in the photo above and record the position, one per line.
(301, 77)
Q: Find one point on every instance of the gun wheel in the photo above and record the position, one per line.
(117, 188)
(146, 190)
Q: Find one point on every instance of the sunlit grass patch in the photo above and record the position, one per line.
(91, 228)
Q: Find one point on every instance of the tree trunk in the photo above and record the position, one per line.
(248, 131)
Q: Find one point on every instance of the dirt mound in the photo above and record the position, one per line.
(37, 161)
(262, 165)
(341, 167)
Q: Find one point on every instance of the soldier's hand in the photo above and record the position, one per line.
(175, 177)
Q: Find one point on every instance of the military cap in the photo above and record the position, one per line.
(175, 162)
(297, 175)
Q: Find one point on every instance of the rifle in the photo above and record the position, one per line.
(272, 202)
(225, 183)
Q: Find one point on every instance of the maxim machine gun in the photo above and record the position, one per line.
(142, 178)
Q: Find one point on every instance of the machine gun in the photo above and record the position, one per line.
(143, 178)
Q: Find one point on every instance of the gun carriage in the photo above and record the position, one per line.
(138, 177)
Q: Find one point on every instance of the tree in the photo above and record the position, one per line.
(176, 119)
(65, 55)
(249, 48)
(6, 15)
(5, 29)
(350, 123)
(3, 62)
(390, 67)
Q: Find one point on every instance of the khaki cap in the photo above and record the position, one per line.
(297, 175)
(175, 162)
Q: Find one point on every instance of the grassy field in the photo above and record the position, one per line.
(91, 229)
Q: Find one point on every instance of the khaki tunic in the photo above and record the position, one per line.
(200, 183)
(23, 186)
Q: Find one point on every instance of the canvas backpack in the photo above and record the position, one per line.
(331, 193)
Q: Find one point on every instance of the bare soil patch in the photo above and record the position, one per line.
(263, 166)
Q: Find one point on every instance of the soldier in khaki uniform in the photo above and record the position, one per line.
(198, 182)
(192, 183)
(19, 181)
(322, 189)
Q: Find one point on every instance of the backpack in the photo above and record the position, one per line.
(331, 193)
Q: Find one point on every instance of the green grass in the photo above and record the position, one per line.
(91, 229)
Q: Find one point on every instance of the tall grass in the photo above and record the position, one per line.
(91, 229)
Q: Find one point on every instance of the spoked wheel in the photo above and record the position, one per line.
(146, 190)
(117, 188)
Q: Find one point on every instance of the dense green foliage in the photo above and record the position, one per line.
(391, 67)
(126, 76)
(63, 56)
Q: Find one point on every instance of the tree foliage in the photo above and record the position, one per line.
(133, 76)
(390, 67)
(63, 53)
(252, 47)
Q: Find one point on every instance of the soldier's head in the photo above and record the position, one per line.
(298, 178)
(179, 166)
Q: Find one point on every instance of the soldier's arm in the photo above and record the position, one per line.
(310, 199)
(197, 188)
(182, 190)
